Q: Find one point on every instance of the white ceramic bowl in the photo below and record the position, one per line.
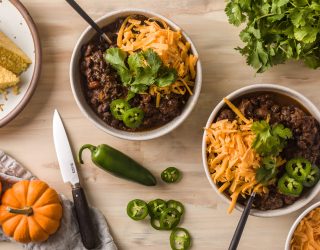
(302, 201)
(92, 116)
(297, 221)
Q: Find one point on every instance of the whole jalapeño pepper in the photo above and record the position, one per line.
(118, 164)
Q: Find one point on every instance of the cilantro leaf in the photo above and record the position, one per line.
(117, 58)
(138, 88)
(234, 13)
(315, 6)
(153, 61)
(306, 34)
(130, 95)
(312, 61)
(135, 62)
(148, 69)
(263, 137)
(267, 171)
(245, 4)
(300, 3)
(269, 140)
(297, 17)
(141, 69)
(143, 77)
(275, 17)
(124, 75)
(281, 131)
(166, 77)
(276, 6)
(144, 67)
(265, 8)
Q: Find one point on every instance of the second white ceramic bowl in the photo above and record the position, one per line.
(85, 107)
(306, 103)
(296, 223)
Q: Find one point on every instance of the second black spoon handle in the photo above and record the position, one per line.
(241, 224)
(85, 16)
(89, 20)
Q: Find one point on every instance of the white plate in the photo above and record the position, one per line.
(17, 24)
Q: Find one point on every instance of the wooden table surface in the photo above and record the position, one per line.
(29, 137)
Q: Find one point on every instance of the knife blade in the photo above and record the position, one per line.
(64, 154)
(70, 174)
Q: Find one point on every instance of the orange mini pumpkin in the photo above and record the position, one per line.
(30, 211)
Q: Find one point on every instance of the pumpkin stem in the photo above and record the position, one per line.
(25, 211)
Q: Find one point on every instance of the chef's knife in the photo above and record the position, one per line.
(69, 174)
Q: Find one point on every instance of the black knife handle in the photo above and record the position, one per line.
(242, 222)
(87, 232)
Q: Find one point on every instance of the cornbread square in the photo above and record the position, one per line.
(7, 79)
(11, 57)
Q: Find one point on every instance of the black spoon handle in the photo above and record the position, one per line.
(242, 222)
(86, 17)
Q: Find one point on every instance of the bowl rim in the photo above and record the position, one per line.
(297, 221)
(149, 134)
(37, 64)
(236, 94)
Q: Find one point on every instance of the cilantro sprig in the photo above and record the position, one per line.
(140, 70)
(268, 170)
(277, 31)
(269, 142)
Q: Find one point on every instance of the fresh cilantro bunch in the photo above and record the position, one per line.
(141, 69)
(277, 30)
(269, 142)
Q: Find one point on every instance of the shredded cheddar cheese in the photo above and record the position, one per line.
(232, 161)
(174, 52)
(307, 233)
(237, 111)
